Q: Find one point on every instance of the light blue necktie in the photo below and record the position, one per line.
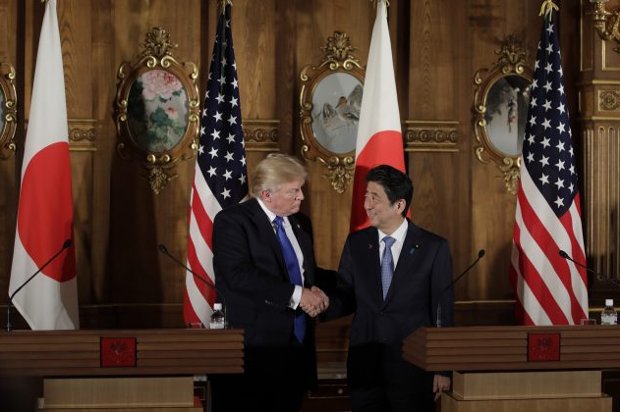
(294, 272)
(387, 264)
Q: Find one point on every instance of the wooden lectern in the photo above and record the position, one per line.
(519, 368)
(115, 370)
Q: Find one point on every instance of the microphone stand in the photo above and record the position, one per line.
(67, 243)
(163, 249)
(481, 254)
(613, 281)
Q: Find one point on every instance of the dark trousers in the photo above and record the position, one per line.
(386, 382)
(275, 380)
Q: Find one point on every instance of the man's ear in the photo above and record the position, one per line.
(265, 195)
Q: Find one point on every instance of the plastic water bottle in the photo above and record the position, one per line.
(217, 317)
(609, 316)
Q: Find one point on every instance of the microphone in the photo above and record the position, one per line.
(566, 256)
(481, 254)
(66, 244)
(163, 249)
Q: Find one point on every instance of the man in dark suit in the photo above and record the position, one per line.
(394, 276)
(265, 268)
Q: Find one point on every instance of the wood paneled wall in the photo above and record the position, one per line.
(437, 45)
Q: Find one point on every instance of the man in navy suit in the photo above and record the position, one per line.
(265, 268)
(394, 276)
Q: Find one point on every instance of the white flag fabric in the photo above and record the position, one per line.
(44, 229)
(379, 135)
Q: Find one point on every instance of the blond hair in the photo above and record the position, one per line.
(275, 170)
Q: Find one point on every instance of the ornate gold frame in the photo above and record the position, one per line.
(512, 61)
(8, 111)
(153, 145)
(338, 60)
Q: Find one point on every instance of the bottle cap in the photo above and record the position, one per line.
(218, 306)
(608, 302)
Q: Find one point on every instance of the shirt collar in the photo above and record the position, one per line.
(270, 215)
(399, 234)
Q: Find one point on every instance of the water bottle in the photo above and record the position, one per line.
(217, 317)
(609, 316)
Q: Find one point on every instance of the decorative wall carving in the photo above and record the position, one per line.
(501, 101)
(8, 110)
(609, 100)
(157, 109)
(431, 136)
(261, 135)
(330, 100)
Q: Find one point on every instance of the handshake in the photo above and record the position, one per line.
(313, 301)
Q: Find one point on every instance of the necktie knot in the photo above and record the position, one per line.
(278, 222)
(388, 241)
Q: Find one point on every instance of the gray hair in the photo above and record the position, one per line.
(275, 170)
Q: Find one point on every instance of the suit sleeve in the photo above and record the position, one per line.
(442, 294)
(342, 298)
(234, 240)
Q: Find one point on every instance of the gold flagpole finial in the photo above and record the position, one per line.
(547, 8)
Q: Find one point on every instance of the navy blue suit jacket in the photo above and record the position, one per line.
(421, 283)
(251, 273)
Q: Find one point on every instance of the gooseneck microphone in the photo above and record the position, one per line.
(163, 249)
(66, 244)
(481, 254)
(566, 256)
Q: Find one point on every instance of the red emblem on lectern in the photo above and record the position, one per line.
(118, 352)
(543, 347)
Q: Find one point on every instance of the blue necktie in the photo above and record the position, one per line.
(294, 272)
(387, 264)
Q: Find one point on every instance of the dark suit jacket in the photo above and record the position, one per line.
(251, 274)
(420, 284)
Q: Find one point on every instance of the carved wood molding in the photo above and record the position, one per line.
(261, 135)
(609, 100)
(431, 135)
(82, 135)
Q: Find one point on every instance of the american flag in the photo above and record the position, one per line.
(220, 178)
(550, 290)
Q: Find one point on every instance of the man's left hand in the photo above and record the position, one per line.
(440, 384)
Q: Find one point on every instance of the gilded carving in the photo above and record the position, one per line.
(330, 100)
(606, 23)
(609, 100)
(8, 111)
(501, 101)
(431, 136)
(157, 109)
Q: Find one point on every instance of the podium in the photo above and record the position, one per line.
(519, 368)
(118, 370)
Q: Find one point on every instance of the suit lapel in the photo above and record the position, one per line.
(265, 227)
(370, 261)
(305, 243)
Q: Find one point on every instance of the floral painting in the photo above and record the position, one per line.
(157, 111)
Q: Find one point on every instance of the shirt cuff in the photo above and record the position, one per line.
(296, 298)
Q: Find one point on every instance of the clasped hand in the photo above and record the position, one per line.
(313, 301)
